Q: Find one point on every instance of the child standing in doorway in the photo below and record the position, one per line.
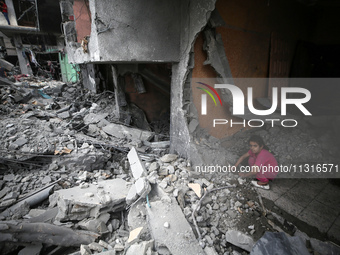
(261, 162)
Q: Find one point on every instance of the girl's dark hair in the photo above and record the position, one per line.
(258, 139)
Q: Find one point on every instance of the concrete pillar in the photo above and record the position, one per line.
(23, 61)
(89, 77)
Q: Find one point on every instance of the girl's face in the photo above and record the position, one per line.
(255, 148)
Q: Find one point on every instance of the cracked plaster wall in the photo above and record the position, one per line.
(151, 31)
(130, 31)
(195, 15)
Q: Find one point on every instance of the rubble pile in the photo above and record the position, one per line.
(70, 151)
(75, 180)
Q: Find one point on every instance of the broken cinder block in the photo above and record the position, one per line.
(73, 205)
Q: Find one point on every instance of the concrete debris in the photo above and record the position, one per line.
(33, 249)
(178, 237)
(210, 251)
(94, 118)
(132, 195)
(96, 247)
(239, 239)
(20, 207)
(71, 146)
(154, 166)
(142, 187)
(94, 225)
(45, 233)
(120, 131)
(108, 196)
(143, 248)
(164, 144)
(169, 158)
(85, 250)
(136, 165)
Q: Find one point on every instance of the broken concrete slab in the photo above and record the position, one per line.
(45, 233)
(109, 195)
(140, 248)
(154, 166)
(132, 195)
(31, 249)
(94, 118)
(137, 167)
(239, 239)
(5, 64)
(64, 115)
(85, 250)
(167, 158)
(9, 177)
(142, 187)
(94, 225)
(163, 144)
(35, 212)
(121, 131)
(47, 217)
(30, 200)
(179, 237)
(4, 191)
(96, 247)
(210, 251)
(136, 217)
(20, 141)
(84, 159)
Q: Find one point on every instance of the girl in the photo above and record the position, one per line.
(262, 163)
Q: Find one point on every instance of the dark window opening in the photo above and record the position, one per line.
(144, 94)
(26, 13)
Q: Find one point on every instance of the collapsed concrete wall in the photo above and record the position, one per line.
(148, 31)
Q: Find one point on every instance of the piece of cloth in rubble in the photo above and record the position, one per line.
(266, 162)
(279, 243)
(33, 59)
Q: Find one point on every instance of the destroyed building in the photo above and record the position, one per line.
(150, 53)
(112, 158)
(33, 40)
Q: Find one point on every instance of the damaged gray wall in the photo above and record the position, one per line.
(194, 16)
(127, 30)
(150, 31)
